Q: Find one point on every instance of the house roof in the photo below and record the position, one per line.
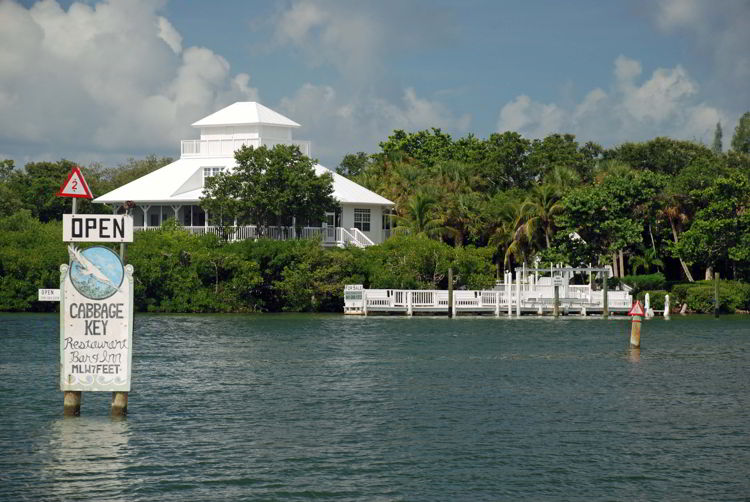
(179, 183)
(243, 113)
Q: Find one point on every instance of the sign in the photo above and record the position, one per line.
(96, 312)
(49, 295)
(75, 186)
(97, 228)
(637, 309)
(557, 280)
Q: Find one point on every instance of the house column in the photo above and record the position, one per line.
(145, 215)
(176, 210)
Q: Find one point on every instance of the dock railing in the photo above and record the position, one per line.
(578, 299)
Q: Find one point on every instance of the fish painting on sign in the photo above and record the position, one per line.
(96, 272)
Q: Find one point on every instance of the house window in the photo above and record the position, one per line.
(211, 171)
(362, 219)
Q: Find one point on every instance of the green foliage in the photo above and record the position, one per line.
(717, 146)
(699, 296)
(645, 282)
(659, 155)
(270, 187)
(353, 164)
(720, 230)
(656, 297)
(176, 271)
(30, 256)
(741, 138)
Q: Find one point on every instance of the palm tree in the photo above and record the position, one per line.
(677, 217)
(418, 217)
(649, 259)
(539, 211)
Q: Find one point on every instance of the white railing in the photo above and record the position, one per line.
(360, 238)
(227, 147)
(329, 235)
(484, 300)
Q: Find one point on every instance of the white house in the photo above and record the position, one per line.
(174, 190)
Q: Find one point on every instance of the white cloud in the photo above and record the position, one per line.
(338, 125)
(109, 78)
(169, 34)
(716, 34)
(663, 105)
(356, 37)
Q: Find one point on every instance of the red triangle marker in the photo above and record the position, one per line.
(75, 186)
(637, 309)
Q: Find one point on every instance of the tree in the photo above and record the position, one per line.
(659, 155)
(717, 147)
(741, 138)
(720, 230)
(503, 163)
(540, 210)
(353, 164)
(270, 187)
(419, 217)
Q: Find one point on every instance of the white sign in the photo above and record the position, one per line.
(557, 280)
(97, 321)
(49, 295)
(97, 228)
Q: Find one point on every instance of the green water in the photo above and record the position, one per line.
(293, 407)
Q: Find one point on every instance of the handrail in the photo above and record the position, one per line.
(362, 240)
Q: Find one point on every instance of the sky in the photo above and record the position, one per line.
(104, 81)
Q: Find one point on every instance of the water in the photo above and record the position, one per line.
(293, 407)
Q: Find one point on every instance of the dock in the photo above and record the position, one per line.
(531, 293)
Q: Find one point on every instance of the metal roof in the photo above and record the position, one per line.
(244, 113)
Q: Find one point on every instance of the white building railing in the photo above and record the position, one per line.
(197, 148)
(280, 233)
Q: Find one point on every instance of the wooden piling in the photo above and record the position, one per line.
(635, 332)
(119, 407)
(72, 403)
(557, 301)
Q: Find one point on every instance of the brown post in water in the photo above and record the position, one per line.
(635, 332)
(450, 292)
(556, 310)
(72, 403)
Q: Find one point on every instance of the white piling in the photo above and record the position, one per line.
(509, 293)
(518, 294)
(649, 310)
(666, 307)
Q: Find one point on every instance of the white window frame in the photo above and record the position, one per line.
(362, 218)
(210, 171)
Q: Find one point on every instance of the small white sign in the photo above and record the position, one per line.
(97, 228)
(557, 280)
(49, 295)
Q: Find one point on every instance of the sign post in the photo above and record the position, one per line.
(635, 326)
(96, 305)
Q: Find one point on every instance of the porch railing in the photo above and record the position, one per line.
(242, 232)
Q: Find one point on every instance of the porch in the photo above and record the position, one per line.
(329, 236)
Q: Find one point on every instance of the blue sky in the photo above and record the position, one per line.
(107, 80)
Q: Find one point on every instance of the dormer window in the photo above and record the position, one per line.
(211, 171)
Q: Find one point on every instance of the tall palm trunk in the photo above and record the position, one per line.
(684, 265)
